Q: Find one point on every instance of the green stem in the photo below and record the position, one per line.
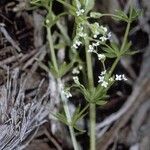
(68, 115)
(63, 97)
(53, 56)
(92, 105)
(89, 66)
(92, 126)
(122, 47)
(111, 15)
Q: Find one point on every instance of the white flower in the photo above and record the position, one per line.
(101, 56)
(96, 44)
(76, 79)
(124, 78)
(81, 34)
(75, 71)
(101, 79)
(67, 93)
(111, 79)
(76, 44)
(80, 12)
(95, 35)
(104, 84)
(80, 67)
(103, 72)
(118, 77)
(91, 48)
(103, 28)
(47, 21)
(103, 38)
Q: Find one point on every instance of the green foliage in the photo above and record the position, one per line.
(133, 15)
(114, 51)
(77, 115)
(88, 4)
(89, 36)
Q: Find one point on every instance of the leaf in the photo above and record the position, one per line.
(77, 128)
(52, 70)
(89, 4)
(61, 117)
(77, 4)
(108, 50)
(41, 3)
(121, 16)
(135, 13)
(64, 68)
(131, 52)
(114, 46)
(101, 102)
(127, 46)
(108, 55)
(112, 51)
(43, 66)
(78, 114)
(95, 15)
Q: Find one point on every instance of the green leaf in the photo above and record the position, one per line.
(127, 46)
(110, 55)
(53, 19)
(135, 13)
(52, 70)
(131, 52)
(95, 15)
(89, 4)
(43, 66)
(41, 3)
(114, 46)
(112, 51)
(78, 114)
(64, 68)
(121, 16)
(61, 117)
(101, 102)
(77, 4)
(77, 128)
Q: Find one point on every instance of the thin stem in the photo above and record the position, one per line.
(89, 66)
(53, 56)
(92, 126)
(68, 116)
(122, 47)
(92, 105)
(125, 36)
(63, 97)
(111, 15)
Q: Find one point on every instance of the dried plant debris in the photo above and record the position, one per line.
(19, 117)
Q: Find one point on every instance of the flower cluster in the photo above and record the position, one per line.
(102, 80)
(67, 93)
(76, 79)
(76, 43)
(105, 82)
(77, 69)
(120, 77)
(80, 12)
(92, 48)
(100, 31)
(79, 36)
